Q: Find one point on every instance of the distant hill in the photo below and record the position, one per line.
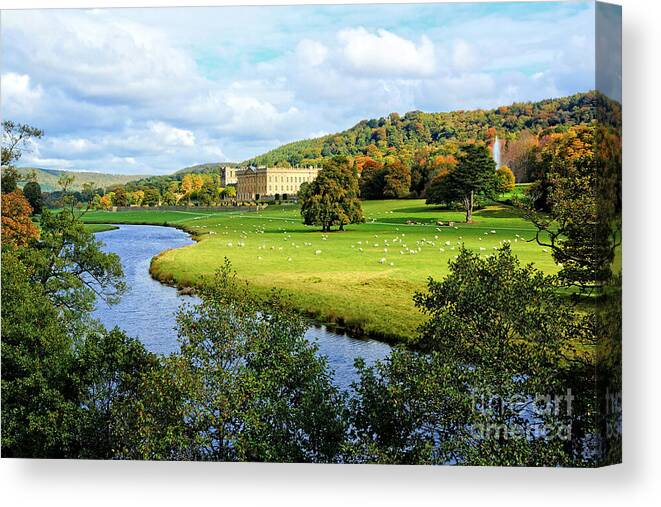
(48, 178)
(401, 134)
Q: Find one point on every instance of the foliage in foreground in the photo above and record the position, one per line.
(246, 386)
(495, 383)
(61, 372)
(497, 379)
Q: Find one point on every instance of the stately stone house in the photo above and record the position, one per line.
(265, 182)
(228, 175)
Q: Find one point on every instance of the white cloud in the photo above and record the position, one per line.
(145, 90)
(104, 58)
(171, 136)
(386, 54)
(311, 52)
(18, 94)
(464, 55)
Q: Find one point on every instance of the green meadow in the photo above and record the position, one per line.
(362, 279)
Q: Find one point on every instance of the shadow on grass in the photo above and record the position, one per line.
(498, 212)
(422, 209)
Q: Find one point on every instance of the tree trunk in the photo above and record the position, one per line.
(469, 208)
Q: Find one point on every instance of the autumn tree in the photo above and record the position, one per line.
(426, 167)
(520, 155)
(332, 198)
(580, 190)
(473, 174)
(372, 179)
(138, 197)
(17, 226)
(397, 179)
(121, 198)
(505, 179)
(105, 201)
(187, 184)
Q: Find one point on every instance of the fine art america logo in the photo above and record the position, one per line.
(520, 416)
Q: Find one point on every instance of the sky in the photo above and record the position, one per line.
(149, 91)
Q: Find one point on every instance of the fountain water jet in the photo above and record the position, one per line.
(496, 152)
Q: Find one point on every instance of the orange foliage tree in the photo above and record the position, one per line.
(17, 227)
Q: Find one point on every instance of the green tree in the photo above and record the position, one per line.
(332, 198)
(152, 197)
(492, 386)
(53, 397)
(229, 192)
(38, 405)
(473, 174)
(246, 386)
(70, 266)
(9, 179)
(107, 368)
(15, 138)
(32, 192)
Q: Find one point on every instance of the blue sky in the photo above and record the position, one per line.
(148, 91)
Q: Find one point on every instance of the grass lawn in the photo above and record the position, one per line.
(362, 279)
(94, 228)
(518, 191)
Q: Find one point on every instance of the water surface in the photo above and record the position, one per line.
(147, 311)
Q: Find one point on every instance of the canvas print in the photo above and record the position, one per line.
(352, 234)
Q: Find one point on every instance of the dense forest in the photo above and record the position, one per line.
(404, 134)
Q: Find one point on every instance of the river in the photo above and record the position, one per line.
(147, 310)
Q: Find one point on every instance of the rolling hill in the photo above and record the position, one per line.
(48, 178)
(415, 129)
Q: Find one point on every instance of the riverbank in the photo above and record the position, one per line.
(362, 280)
(155, 324)
(94, 228)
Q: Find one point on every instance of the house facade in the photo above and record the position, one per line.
(265, 182)
(228, 175)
